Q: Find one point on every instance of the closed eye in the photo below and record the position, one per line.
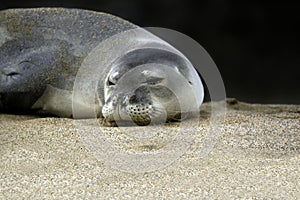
(110, 83)
(26, 65)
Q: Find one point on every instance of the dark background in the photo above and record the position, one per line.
(254, 44)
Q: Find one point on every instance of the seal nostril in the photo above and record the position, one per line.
(133, 99)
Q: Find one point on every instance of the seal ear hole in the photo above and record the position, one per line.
(152, 80)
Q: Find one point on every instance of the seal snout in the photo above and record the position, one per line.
(138, 108)
(128, 110)
(140, 113)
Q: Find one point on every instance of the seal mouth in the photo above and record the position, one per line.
(12, 73)
(12, 76)
(7, 78)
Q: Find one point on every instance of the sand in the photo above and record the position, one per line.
(257, 156)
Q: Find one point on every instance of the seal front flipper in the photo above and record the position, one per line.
(59, 102)
(55, 101)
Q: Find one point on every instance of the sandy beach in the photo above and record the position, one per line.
(257, 156)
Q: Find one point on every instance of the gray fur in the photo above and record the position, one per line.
(46, 46)
(41, 51)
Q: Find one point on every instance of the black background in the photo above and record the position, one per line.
(254, 44)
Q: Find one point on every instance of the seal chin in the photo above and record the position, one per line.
(109, 111)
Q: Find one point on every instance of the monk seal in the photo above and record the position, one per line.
(42, 49)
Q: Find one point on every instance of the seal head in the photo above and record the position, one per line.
(138, 88)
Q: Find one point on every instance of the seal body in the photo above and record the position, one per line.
(42, 50)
